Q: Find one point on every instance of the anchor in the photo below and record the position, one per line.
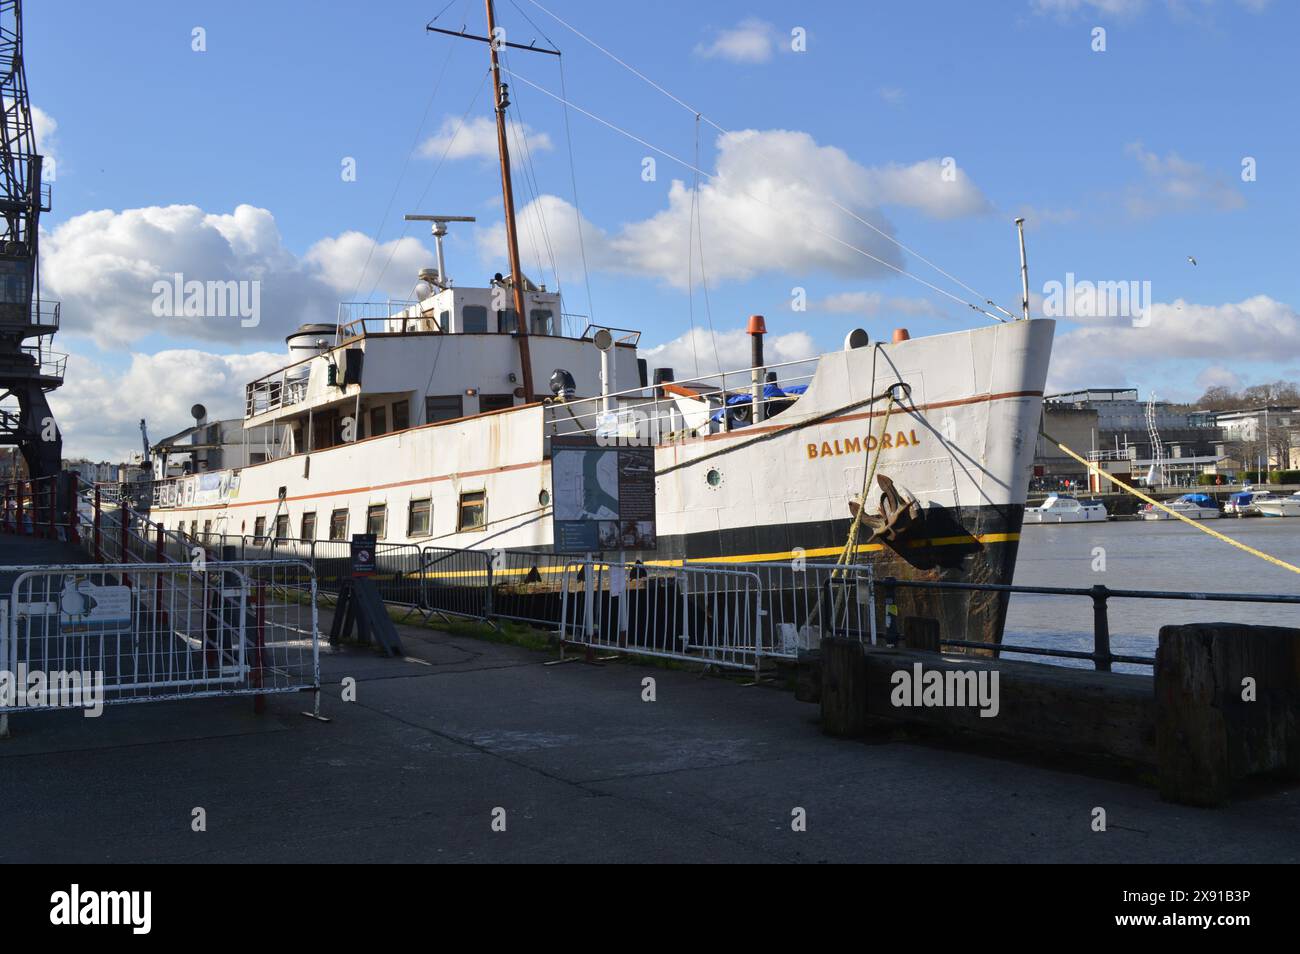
(897, 518)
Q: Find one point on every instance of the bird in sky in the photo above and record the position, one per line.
(1191, 259)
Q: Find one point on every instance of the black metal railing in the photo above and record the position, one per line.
(1101, 656)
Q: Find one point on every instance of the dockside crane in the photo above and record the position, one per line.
(29, 370)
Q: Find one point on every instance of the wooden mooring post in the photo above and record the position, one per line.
(1227, 706)
(1223, 704)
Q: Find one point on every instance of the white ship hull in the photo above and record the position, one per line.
(962, 446)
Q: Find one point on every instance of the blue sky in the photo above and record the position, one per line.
(1124, 161)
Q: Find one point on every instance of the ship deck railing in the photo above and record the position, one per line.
(656, 414)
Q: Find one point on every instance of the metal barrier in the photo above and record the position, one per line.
(526, 586)
(457, 582)
(397, 568)
(149, 632)
(698, 614)
(802, 602)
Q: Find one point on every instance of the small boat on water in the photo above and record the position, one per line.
(1277, 505)
(1242, 504)
(1064, 508)
(1192, 506)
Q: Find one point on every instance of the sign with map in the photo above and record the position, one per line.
(603, 497)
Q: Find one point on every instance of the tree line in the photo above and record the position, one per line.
(1222, 398)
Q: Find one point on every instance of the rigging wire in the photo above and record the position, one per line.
(433, 175)
(847, 211)
(533, 184)
(811, 228)
(704, 278)
(690, 279)
(577, 210)
(361, 276)
(530, 220)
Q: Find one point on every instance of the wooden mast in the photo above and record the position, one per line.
(508, 198)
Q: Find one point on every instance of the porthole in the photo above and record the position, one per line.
(544, 498)
(713, 477)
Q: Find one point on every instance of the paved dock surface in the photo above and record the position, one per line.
(585, 770)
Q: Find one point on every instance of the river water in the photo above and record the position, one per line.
(1148, 555)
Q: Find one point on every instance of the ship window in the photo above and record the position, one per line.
(376, 520)
(473, 318)
(541, 321)
(194, 529)
(378, 420)
(207, 530)
(495, 402)
(418, 518)
(440, 408)
(259, 530)
(401, 415)
(309, 526)
(281, 526)
(444, 320)
(473, 511)
(339, 525)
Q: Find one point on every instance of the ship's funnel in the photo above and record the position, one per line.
(662, 376)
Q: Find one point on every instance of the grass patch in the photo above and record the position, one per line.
(514, 633)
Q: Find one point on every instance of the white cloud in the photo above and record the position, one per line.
(891, 95)
(103, 266)
(1129, 8)
(873, 304)
(768, 208)
(477, 139)
(99, 408)
(694, 353)
(1218, 376)
(1111, 7)
(1174, 184)
(750, 41)
(393, 266)
(45, 128)
(926, 186)
(1257, 329)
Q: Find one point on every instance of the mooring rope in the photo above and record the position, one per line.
(845, 559)
(1093, 468)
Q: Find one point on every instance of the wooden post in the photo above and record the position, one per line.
(1227, 706)
(844, 687)
(921, 633)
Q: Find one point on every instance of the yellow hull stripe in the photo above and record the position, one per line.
(743, 558)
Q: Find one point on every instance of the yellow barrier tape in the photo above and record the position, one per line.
(1093, 468)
